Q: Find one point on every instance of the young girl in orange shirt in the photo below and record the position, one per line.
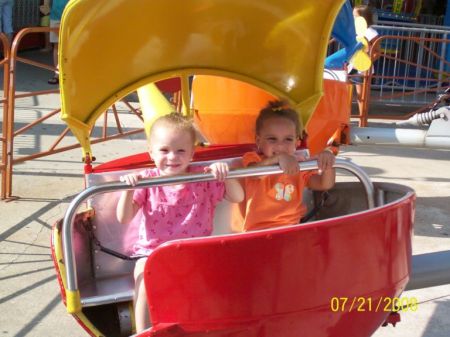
(276, 200)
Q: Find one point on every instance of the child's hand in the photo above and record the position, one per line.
(130, 179)
(219, 170)
(288, 163)
(45, 9)
(300, 157)
(325, 160)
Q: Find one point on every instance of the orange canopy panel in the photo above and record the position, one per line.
(331, 115)
(110, 48)
(225, 110)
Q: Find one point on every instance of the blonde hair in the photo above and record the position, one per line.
(176, 121)
(281, 109)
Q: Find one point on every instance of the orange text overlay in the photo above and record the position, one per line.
(369, 304)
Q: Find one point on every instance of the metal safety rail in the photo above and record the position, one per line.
(10, 64)
(411, 72)
(72, 293)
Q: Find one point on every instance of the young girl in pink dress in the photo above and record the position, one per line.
(171, 212)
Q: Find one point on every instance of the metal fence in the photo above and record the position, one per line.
(13, 129)
(411, 73)
(413, 61)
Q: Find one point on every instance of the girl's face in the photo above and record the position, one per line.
(171, 149)
(277, 135)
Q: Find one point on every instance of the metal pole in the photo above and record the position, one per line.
(387, 136)
(430, 270)
(5, 128)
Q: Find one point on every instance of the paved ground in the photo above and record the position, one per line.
(30, 304)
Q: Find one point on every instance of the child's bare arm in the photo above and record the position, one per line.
(327, 174)
(233, 189)
(126, 207)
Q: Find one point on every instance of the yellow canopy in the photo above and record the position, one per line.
(110, 48)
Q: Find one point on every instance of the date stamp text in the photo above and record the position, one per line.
(369, 304)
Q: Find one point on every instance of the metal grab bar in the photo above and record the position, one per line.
(72, 293)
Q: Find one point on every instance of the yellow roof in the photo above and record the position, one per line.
(110, 48)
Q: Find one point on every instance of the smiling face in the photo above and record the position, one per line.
(277, 135)
(171, 149)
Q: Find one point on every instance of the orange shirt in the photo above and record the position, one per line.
(271, 201)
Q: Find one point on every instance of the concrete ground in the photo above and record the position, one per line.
(30, 303)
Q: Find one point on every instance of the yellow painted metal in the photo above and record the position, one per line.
(110, 48)
(153, 105)
(73, 302)
(75, 307)
(185, 98)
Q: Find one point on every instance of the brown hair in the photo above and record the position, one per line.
(366, 12)
(280, 109)
(177, 121)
